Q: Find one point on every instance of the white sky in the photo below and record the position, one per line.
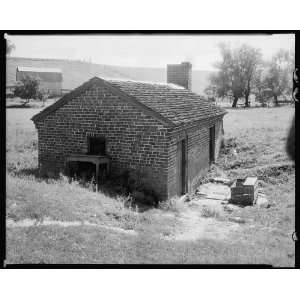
(144, 50)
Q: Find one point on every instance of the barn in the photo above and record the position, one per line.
(162, 131)
(50, 79)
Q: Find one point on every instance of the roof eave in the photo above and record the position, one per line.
(194, 122)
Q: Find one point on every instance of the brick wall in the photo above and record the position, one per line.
(197, 138)
(134, 140)
(180, 74)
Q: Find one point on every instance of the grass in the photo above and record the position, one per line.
(257, 135)
(87, 245)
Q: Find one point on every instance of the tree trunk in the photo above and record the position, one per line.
(247, 104)
(247, 93)
(275, 100)
(235, 100)
(25, 102)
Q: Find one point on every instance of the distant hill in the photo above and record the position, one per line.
(77, 72)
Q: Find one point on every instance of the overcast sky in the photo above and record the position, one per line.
(142, 50)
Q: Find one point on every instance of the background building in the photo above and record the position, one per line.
(50, 79)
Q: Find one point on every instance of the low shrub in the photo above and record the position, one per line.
(173, 204)
(228, 144)
(275, 174)
(209, 212)
(131, 183)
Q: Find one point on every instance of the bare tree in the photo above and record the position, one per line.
(250, 59)
(278, 78)
(236, 72)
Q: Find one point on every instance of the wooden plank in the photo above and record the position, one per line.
(250, 181)
(179, 168)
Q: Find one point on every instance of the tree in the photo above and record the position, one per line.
(260, 90)
(278, 78)
(236, 72)
(211, 93)
(9, 47)
(42, 95)
(28, 90)
(250, 60)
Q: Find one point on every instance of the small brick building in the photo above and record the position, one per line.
(50, 79)
(163, 131)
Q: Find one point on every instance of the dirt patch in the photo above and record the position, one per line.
(201, 219)
(194, 227)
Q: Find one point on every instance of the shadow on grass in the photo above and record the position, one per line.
(113, 190)
(108, 187)
(22, 105)
(35, 172)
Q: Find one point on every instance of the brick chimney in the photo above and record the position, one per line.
(180, 74)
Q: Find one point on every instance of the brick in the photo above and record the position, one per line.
(135, 140)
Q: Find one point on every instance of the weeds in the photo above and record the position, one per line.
(173, 204)
(276, 174)
(210, 212)
(214, 171)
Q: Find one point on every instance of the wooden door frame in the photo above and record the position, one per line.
(184, 163)
(182, 182)
(212, 144)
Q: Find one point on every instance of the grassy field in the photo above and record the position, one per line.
(175, 233)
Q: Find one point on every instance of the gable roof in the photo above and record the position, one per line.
(169, 103)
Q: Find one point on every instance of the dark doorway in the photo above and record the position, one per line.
(182, 163)
(96, 145)
(211, 145)
(86, 171)
(81, 170)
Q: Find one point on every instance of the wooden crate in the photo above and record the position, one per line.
(244, 191)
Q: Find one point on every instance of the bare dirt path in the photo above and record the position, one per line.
(46, 222)
(195, 227)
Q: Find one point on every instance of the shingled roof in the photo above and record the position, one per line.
(169, 102)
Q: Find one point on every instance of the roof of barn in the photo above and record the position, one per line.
(39, 70)
(170, 103)
(44, 74)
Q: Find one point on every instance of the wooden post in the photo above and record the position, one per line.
(107, 168)
(97, 176)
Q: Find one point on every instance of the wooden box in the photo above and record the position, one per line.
(244, 191)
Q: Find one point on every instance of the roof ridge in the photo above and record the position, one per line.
(175, 86)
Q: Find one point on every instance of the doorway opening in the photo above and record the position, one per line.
(211, 144)
(182, 166)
